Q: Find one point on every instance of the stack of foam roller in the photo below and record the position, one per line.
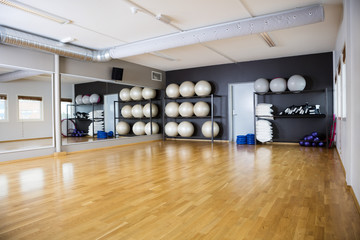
(98, 126)
(264, 131)
(264, 110)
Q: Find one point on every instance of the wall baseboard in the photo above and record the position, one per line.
(342, 165)
(27, 139)
(354, 197)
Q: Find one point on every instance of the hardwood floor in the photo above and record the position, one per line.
(179, 190)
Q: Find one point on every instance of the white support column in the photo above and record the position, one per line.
(57, 104)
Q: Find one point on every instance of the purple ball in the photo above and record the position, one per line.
(313, 144)
(316, 139)
(310, 138)
(315, 134)
(301, 143)
(321, 144)
(307, 144)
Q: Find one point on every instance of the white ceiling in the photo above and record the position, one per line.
(97, 25)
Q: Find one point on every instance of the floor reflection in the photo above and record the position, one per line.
(3, 186)
(68, 173)
(32, 179)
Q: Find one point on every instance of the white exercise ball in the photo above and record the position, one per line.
(78, 99)
(201, 109)
(86, 99)
(202, 88)
(155, 128)
(154, 110)
(172, 90)
(122, 128)
(278, 85)
(187, 89)
(172, 109)
(126, 111)
(261, 85)
(206, 129)
(94, 98)
(139, 128)
(186, 109)
(125, 94)
(296, 83)
(137, 111)
(136, 93)
(186, 129)
(171, 129)
(148, 93)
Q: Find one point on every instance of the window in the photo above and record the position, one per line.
(64, 108)
(30, 108)
(3, 107)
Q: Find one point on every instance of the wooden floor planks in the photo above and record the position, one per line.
(179, 190)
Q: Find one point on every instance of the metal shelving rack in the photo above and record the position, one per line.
(319, 116)
(212, 116)
(92, 120)
(118, 105)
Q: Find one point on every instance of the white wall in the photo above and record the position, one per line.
(349, 128)
(14, 129)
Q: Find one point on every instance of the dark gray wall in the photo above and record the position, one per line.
(316, 68)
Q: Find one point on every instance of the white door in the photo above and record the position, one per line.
(242, 109)
(109, 111)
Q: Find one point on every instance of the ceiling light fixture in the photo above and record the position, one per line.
(163, 18)
(68, 40)
(35, 11)
(267, 39)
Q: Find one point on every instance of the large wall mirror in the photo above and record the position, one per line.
(26, 113)
(93, 110)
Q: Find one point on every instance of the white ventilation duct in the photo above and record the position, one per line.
(11, 76)
(266, 23)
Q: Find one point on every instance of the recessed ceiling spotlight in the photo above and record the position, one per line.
(68, 40)
(35, 11)
(134, 10)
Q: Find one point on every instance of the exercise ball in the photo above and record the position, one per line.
(187, 89)
(78, 99)
(154, 110)
(86, 99)
(139, 128)
(171, 129)
(136, 93)
(122, 128)
(296, 83)
(172, 91)
(278, 85)
(261, 85)
(125, 94)
(172, 109)
(206, 129)
(201, 109)
(137, 111)
(155, 128)
(202, 88)
(94, 98)
(186, 109)
(126, 111)
(148, 93)
(186, 129)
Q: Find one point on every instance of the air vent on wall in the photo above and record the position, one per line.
(156, 76)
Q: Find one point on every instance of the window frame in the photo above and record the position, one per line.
(69, 101)
(6, 107)
(41, 108)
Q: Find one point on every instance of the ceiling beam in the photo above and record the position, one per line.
(19, 74)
